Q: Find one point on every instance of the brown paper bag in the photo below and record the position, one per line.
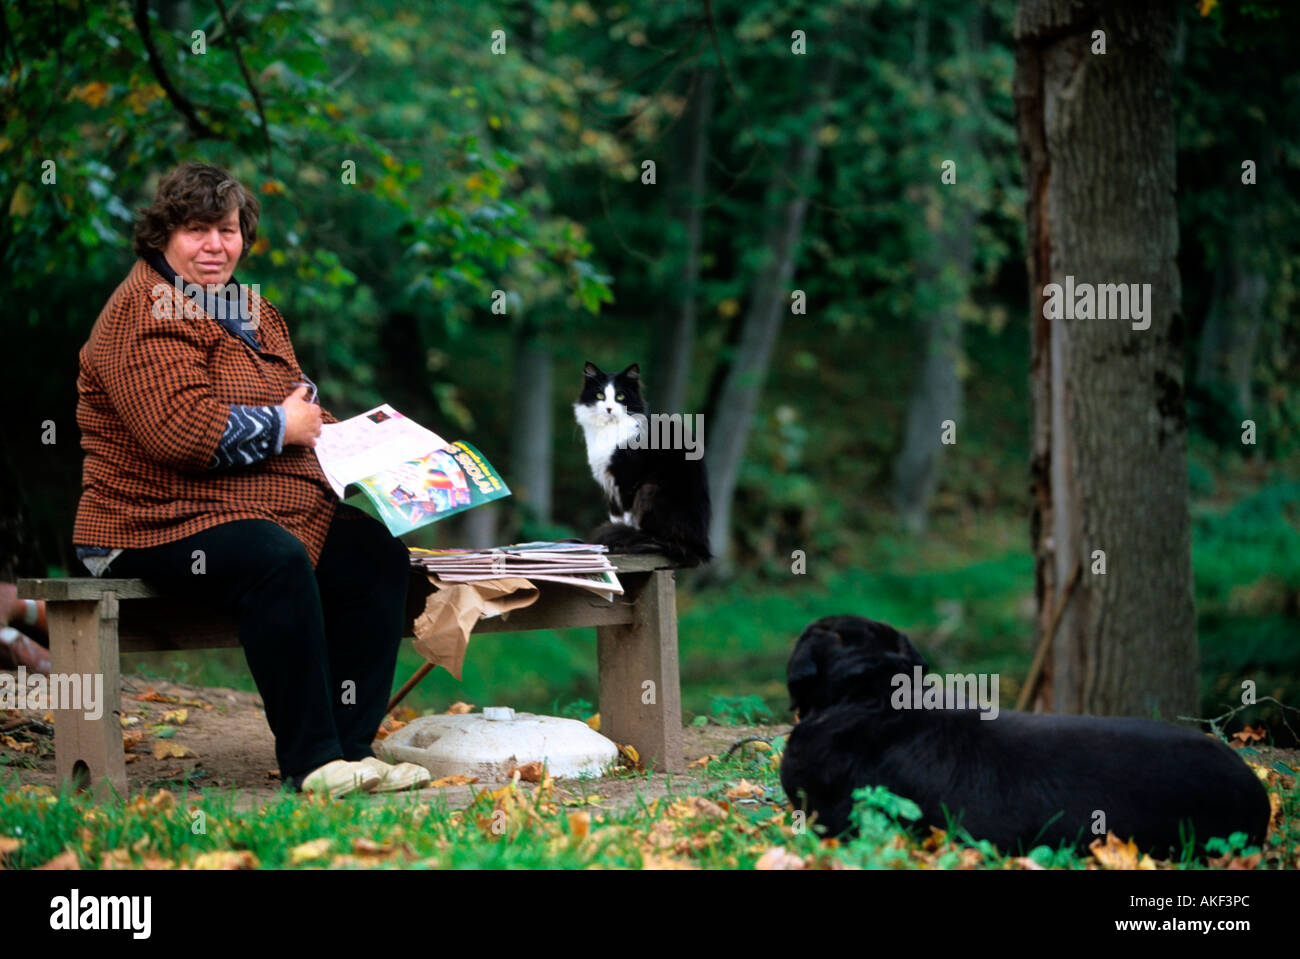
(442, 630)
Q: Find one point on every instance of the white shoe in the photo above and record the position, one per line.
(397, 778)
(339, 778)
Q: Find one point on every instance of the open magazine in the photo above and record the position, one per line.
(583, 565)
(405, 475)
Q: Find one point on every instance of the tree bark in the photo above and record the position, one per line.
(733, 414)
(1109, 466)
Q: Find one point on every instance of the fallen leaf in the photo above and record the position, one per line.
(128, 721)
(368, 847)
(1250, 734)
(778, 858)
(935, 840)
(630, 756)
(593, 721)
(457, 709)
(273, 774)
(116, 859)
(170, 750)
(580, 824)
(1115, 854)
(47, 718)
(177, 716)
(701, 762)
(1024, 862)
(452, 781)
(745, 790)
(388, 727)
(22, 747)
(314, 849)
(64, 860)
(9, 844)
(528, 772)
(226, 859)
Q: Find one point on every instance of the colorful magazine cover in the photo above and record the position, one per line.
(429, 488)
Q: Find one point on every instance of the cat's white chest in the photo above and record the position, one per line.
(603, 439)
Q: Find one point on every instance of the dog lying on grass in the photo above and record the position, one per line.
(1018, 780)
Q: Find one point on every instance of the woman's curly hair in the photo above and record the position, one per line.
(194, 193)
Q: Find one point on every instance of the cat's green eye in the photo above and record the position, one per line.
(619, 397)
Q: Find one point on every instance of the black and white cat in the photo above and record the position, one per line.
(658, 498)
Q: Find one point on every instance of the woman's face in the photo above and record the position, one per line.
(206, 254)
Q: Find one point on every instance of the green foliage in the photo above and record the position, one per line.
(739, 710)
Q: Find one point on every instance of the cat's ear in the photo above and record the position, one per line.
(591, 370)
(632, 373)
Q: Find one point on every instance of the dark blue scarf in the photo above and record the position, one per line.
(231, 317)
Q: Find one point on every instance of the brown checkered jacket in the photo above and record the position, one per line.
(158, 377)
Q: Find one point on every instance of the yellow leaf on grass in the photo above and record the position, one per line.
(452, 781)
(701, 762)
(778, 858)
(176, 716)
(307, 851)
(1115, 854)
(580, 824)
(226, 859)
(368, 847)
(166, 749)
(745, 790)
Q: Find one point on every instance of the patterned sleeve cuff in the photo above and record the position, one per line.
(252, 434)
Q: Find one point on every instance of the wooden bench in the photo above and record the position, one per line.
(92, 621)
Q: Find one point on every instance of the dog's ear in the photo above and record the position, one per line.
(806, 675)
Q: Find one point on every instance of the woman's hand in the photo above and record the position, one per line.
(302, 419)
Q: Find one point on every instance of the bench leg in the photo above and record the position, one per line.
(83, 639)
(640, 688)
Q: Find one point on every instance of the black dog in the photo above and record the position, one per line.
(1018, 780)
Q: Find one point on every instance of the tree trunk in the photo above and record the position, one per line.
(1109, 468)
(532, 426)
(1232, 329)
(943, 271)
(670, 393)
(733, 416)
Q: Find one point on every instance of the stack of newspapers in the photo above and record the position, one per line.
(583, 565)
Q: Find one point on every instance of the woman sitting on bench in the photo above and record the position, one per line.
(199, 476)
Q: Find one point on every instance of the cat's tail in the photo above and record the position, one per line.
(622, 538)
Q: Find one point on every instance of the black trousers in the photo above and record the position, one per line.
(321, 644)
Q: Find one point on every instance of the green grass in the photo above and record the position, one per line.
(705, 825)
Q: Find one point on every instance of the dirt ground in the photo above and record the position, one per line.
(232, 748)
